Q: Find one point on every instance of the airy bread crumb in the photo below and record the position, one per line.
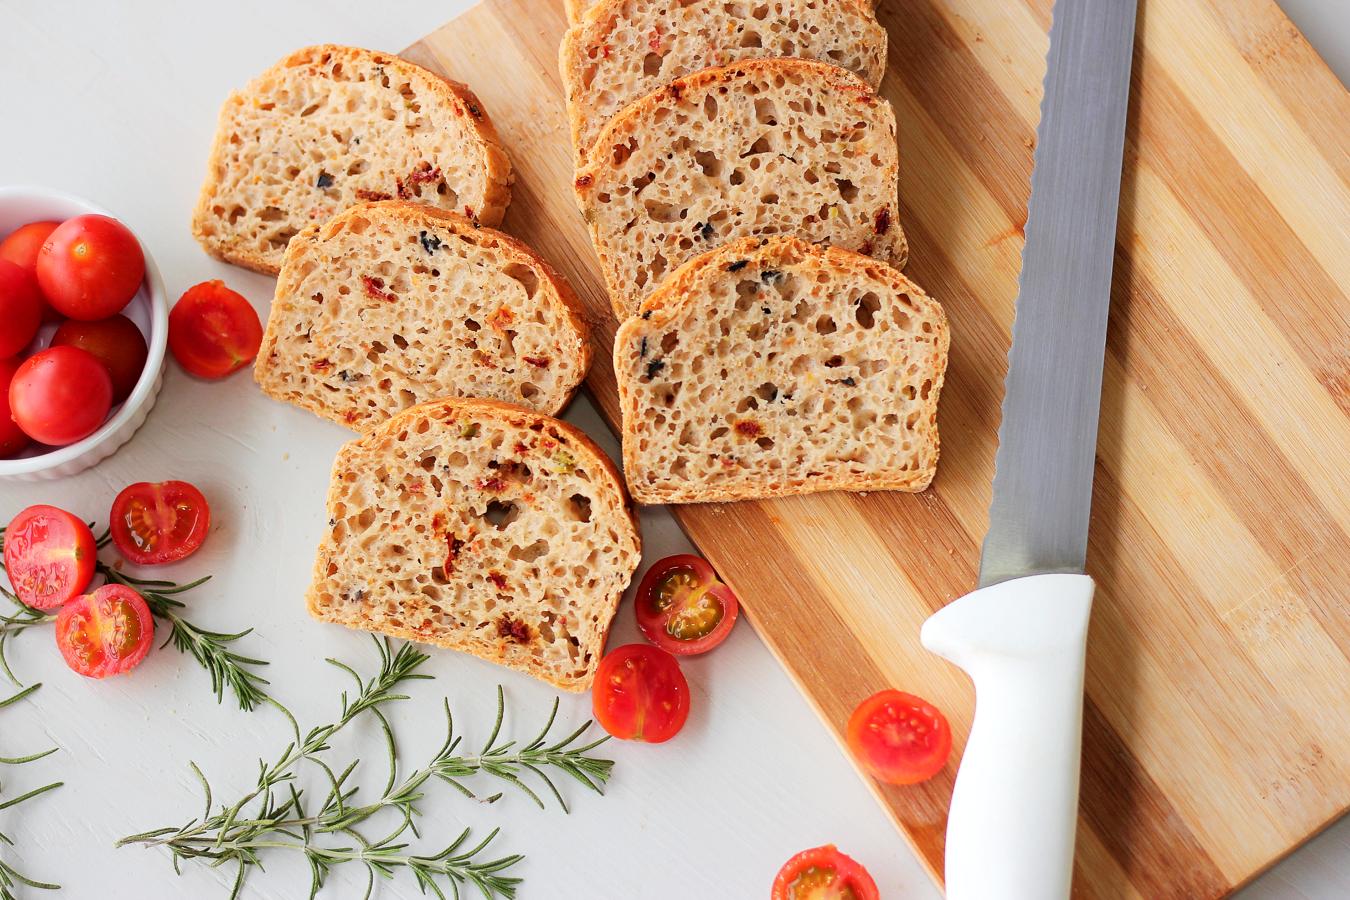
(761, 148)
(481, 527)
(773, 367)
(392, 304)
(329, 127)
(628, 48)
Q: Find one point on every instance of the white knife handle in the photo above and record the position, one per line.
(1010, 831)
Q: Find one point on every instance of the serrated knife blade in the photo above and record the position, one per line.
(1038, 518)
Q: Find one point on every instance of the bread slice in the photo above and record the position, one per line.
(331, 126)
(628, 48)
(764, 147)
(482, 527)
(580, 10)
(773, 367)
(392, 304)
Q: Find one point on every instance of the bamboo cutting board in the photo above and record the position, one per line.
(1217, 727)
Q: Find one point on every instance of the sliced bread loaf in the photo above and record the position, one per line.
(331, 126)
(773, 367)
(481, 527)
(764, 147)
(392, 304)
(628, 48)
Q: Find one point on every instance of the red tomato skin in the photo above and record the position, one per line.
(116, 342)
(213, 331)
(20, 309)
(89, 629)
(12, 437)
(910, 762)
(60, 395)
(90, 267)
(176, 503)
(640, 694)
(652, 621)
(849, 873)
(49, 556)
(22, 245)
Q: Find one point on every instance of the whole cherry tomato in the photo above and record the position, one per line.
(90, 267)
(159, 523)
(22, 247)
(20, 309)
(116, 342)
(12, 437)
(683, 608)
(899, 738)
(60, 395)
(105, 633)
(23, 244)
(49, 556)
(213, 331)
(640, 694)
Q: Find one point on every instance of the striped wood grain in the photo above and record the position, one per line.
(1217, 731)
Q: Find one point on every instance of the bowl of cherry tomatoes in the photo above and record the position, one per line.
(84, 324)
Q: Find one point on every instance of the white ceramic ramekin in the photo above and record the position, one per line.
(149, 309)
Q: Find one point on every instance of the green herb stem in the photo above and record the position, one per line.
(10, 878)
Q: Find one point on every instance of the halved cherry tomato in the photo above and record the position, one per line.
(90, 267)
(159, 523)
(105, 633)
(116, 342)
(12, 437)
(640, 694)
(823, 873)
(20, 308)
(22, 245)
(213, 331)
(60, 395)
(682, 606)
(49, 556)
(899, 738)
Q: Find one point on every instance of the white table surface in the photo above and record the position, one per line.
(117, 102)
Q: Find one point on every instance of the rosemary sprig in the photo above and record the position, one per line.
(507, 761)
(9, 876)
(211, 649)
(280, 820)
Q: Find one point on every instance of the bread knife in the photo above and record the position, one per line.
(1022, 635)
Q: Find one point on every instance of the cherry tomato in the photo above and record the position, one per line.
(159, 523)
(20, 308)
(683, 608)
(105, 633)
(12, 437)
(640, 694)
(823, 873)
(23, 244)
(60, 395)
(213, 331)
(116, 342)
(49, 556)
(90, 267)
(899, 738)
